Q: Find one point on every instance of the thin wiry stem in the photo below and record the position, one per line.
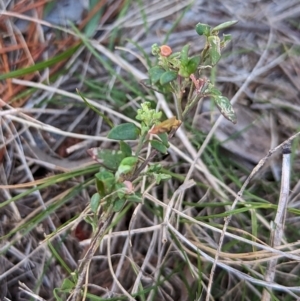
(84, 265)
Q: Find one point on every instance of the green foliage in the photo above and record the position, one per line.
(95, 202)
(176, 71)
(105, 181)
(222, 103)
(42, 65)
(126, 168)
(114, 181)
(60, 294)
(215, 49)
(155, 74)
(148, 116)
(167, 77)
(159, 146)
(123, 169)
(203, 29)
(125, 131)
(223, 26)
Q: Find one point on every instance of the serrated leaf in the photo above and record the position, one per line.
(225, 108)
(215, 49)
(158, 145)
(95, 202)
(155, 73)
(223, 26)
(167, 77)
(202, 29)
(124, 131)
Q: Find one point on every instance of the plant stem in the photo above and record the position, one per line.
(189, 106)
(104, 223)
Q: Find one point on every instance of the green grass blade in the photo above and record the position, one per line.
(41, 65)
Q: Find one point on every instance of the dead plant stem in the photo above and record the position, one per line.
(278, 225)
(104, 222)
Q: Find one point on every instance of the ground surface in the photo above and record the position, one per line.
(46, 130)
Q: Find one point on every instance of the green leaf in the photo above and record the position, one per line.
(160, 177)
(67, 284)
(185, 70)
(215, 49)
(184, 59)
(110, 159)
(158, 145)
(125, 149)
(120, 188)
(66, 287)
(41, 65)
(154, 168)
(105, 181)
(167, 77)
(92, 222)
(223, 26)
(118, 205)
(124, 131)
(126, 167)
(155, 74)
(95, 202)
(212, 90)
(226, 38)
(203, 29)
(225, 108)
(164, 138)
(193, 64)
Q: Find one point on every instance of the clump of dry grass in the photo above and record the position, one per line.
(167, 245)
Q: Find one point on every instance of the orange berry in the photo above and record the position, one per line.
(165, 50)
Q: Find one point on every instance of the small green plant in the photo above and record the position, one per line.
(177, 72)
(122, 169)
